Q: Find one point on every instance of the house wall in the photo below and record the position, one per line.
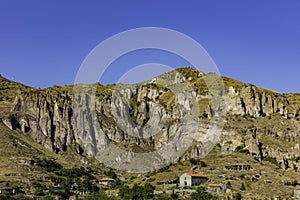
(185, 180)
(198, 180)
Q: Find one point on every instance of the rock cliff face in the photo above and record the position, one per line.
(46, 116)
(256, 102)
(147, 117)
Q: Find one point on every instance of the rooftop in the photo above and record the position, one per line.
(197, 175)
(214, 185)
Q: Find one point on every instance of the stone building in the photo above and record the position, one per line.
(190, 179)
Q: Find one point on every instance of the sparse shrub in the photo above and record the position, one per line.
(145, 121)
(193, 161)
(228, 185)
(111, 174)
(205, 115)
(48, 164)
(72, 172)
(237, 196)
(297, 159)
(202, 194)
(272, 160)
(240, 148)
(100, 195)
(243, 186)
(48, 197)
(151, 179)
(137, 192)
(199, 162)
(116, 184)
(174, 196)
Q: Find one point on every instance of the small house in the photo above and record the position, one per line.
(217, 188)
(106, 181)
(190, 179)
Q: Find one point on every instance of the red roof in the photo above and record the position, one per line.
(197, 175)
(214, 185)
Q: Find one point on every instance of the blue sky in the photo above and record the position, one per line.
(43, 43)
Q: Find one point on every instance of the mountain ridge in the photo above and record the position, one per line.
(263, 124)
(259, 102)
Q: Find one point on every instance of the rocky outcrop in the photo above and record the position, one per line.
(147, 117)
(46, 116)
(255, 102)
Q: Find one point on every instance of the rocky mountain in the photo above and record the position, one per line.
(172, 110)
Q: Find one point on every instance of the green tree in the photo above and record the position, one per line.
(237, 196)
(117, 183)
(137, 192)
(111, 174)
(49, 165)
(162, 197)
(124, 192)
(148, 191)
(228, 185)
(48, 197)
(174, 196)
(243, 186)
(201, 194)
(193, 161)
(100, 195)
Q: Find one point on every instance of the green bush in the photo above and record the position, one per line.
(272, 160)
(237, 196)
(111, 174)
(137, 192)
(194, 161)
(100, 195)
(240, 148)
(201, 194)
(49, 165)
(116, 184)
(243, 186)
(228, 185)
(48, 197)
(72, 172)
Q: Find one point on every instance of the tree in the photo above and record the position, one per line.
(201, 194)
(193, 161)
(111, 174)
(124, 192)
(148, 191)
(243, 186)
(137, 192)
(48, 198)
(100, 195)
(237, 196)
(116, 184)
(49, 165)
(228, 185)
(199, 162)
(174, 196)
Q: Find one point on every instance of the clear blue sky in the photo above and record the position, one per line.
(43, 43)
